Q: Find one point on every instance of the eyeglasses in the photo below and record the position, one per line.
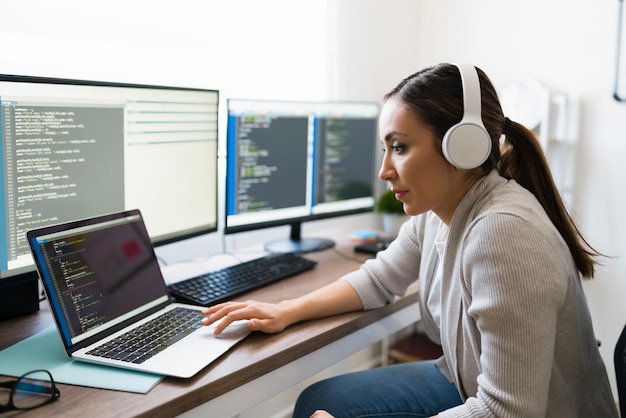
(29, 391)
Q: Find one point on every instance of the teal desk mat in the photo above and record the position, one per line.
(45, 351)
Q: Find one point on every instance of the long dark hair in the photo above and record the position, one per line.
(435, 96)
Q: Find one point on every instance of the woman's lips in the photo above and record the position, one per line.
(399, 194)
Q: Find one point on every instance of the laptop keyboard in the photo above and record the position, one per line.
(221, 285)
(143, 342)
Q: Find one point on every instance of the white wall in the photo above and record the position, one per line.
(242, 47)
(356, 49)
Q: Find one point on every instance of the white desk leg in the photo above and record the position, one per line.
(384, 351)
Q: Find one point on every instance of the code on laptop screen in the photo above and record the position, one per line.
(97, 275)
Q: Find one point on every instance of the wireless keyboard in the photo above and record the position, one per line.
(221, 285)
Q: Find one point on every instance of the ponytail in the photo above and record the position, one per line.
(522, 159)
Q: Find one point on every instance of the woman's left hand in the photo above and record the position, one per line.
(321, 414)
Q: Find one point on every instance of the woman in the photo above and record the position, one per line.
(499, 260)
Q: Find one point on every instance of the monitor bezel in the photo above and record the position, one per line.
(295, 222)
(169, 238)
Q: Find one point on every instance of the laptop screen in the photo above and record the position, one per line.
(98, 273)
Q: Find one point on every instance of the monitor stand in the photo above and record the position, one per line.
(296, 244)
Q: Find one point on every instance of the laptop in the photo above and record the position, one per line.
(103, 283)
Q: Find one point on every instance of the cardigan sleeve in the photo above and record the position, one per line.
(378, 281)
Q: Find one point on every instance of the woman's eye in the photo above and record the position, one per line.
(395, 148)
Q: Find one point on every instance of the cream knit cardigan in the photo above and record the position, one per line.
(516, 332)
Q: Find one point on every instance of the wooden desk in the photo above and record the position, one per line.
(256, 369)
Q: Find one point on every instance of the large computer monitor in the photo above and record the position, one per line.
(292, 162)
(73, 149)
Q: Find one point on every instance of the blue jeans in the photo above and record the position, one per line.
(416, 389)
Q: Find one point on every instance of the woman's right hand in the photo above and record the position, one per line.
(261, 316)
(334, 298)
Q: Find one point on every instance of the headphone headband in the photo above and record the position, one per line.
(471, 94)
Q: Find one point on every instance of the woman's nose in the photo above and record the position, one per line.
(386, 171)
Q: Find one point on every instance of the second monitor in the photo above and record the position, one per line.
(291, 162)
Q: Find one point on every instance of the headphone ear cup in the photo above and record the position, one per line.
(466, 145)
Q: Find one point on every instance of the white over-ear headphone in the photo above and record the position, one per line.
(467, 144)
